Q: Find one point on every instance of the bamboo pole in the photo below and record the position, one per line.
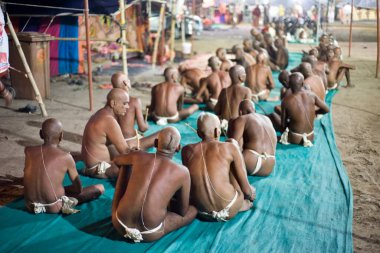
(89, 59)
(123, 36)
(27, 68)
(350, 39)
(154, 57)
(378, 39)
(172, 32)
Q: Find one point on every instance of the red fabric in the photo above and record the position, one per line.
(53, 30)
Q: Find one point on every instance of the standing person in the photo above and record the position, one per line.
(45, 168)
(347, 13)
(256, 15)
(298, 113)
(219, 184)
(152, 192)
(167, 100)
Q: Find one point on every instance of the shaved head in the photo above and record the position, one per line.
(208, 124)
(121, 80)
(214, 62)
(296, 81)
(306, 69)
(118, 100)
(283, 77)
(260, 58)
(171, 74)
(168, 140)
(221, 53)
(51, 130)
(237, 74)
(246, 107)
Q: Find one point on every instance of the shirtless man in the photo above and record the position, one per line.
(219, 184)
(244, 59)
(298, 113)
(260, 79)
(6, 95)
(338, 70)
(156, 200)
(45, 168)
(102, 130)
(167, 100)
(226, 64)
(269, 46)
(248, 48)
(229, 99)
(312, 81)
(133, 114)
(190, 79)
(282, 56)
(212, 85)
(256, 137)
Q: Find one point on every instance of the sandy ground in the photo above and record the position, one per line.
(356, 116)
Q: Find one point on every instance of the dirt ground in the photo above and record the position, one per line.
(356, 116)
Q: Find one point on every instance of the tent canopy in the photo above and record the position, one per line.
(366, 4)
(76, 7)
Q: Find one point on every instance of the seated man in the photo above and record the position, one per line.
(102, 130)
(45, 168)
(260, 80)
(133, 114)
(320, 68)
(156, 200)
(312, 81)
(256, 137)
(244, 59)
(212, 85)
(229, 99)
(5, 94)
(338, 69)
(248, 48)
(190, 79)
(298, 113)
(226, 64)
(219, 184)
(167, 100)
(269, 46)
(282, 55)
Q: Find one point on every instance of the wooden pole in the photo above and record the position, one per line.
(172, 32)
(89, 59)
(350, 39)
(162, 13)
(27, 68)
(123, 36)
(378, 40)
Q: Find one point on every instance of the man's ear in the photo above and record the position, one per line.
(200, 134)
(156, 143)
(216, 133)
(178, 148)
(61, 136)
(41, 134)
(112, 103)
(240, 112)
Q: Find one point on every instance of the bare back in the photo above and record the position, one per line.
(134, 113)
(316, 85)
(229, 100)
(192, 77)
(210, 165)
(165, 97)
(37, 187)
(152, 181)
(259, 77)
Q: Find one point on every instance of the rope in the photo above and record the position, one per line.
(150, 179)
(45, 6)
(27, 22)
(51, 184)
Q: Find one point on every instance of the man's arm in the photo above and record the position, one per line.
(240, 172)
(217, 108)
(143, 126)
(283, 115)
(76, 184)
(345, 65)
(122, 180)
(181, 92)
(184, 194)
(323, 108)
(153, 100)
(115, 136)
(202, 89)
(236, 130)
(270, 79)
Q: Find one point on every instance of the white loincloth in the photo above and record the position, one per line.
(306, 141)
(260, 158)
(68, 204)
(163, 121)
(223, 214)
